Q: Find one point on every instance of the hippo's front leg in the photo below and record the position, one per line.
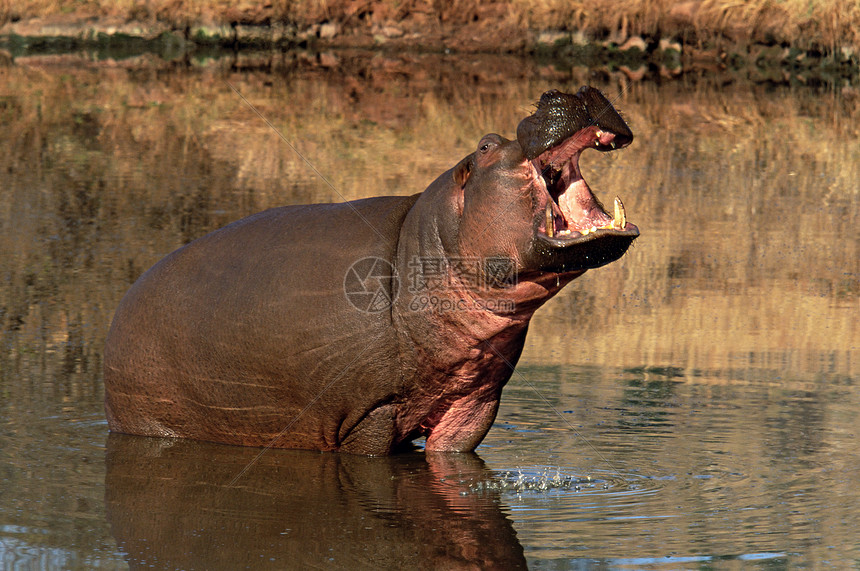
(374, 435)
(464, 424)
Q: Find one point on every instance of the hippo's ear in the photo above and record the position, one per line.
(463, 170)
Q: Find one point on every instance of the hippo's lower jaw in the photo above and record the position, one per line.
(572, 230)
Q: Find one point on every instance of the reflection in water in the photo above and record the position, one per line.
(713, 371)
(747, 200)
(185, 505)
(719, 468)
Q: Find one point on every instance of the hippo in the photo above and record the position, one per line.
(363, 326)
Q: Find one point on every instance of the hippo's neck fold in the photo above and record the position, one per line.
(458, 333)
(445, 307)
(450, 309)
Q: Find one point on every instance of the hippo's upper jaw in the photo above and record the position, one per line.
(572, 230)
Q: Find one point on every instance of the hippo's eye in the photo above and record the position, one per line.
(488, 142)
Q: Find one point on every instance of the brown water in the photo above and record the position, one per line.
(694, 405)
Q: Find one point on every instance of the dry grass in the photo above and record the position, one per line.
(829, 26)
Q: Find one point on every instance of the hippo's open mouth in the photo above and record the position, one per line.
(567, 215)
(570, 211)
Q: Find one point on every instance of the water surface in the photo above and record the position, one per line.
(693, 405)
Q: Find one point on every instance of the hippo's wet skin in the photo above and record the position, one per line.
(251, 335)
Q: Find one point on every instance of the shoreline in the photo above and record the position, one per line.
(640, 56)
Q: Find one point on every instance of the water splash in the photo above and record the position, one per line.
(549, 479)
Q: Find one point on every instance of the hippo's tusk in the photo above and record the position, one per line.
(620, 219)
(550, 224)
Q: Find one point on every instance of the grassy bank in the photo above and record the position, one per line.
(709, 29)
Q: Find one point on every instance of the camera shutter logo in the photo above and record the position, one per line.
(371, 284)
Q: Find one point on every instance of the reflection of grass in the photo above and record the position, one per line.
(747, 191)
(828, 25)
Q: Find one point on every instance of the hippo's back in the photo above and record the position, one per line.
(233, 337)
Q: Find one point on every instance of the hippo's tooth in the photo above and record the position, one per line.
(619, 221)
(612, 144)
(550, 224)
